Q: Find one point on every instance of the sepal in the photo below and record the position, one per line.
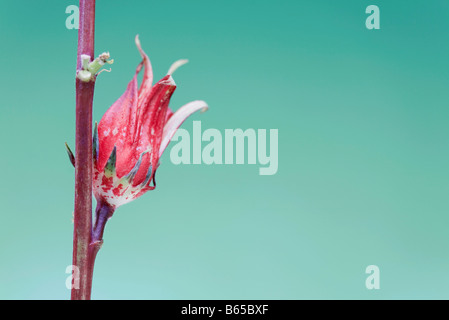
(70, 154)
(95, 144)
(130, 176)
(110, 168)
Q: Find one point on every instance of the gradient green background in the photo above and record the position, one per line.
(363, 151)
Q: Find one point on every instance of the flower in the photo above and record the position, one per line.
(133, 134)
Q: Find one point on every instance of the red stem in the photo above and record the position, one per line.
(83, 252)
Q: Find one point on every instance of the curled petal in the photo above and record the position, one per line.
(147, 80)
(177, 119)
(176, 65)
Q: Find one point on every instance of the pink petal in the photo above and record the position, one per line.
(147, 80)
(118, 119)
(151, 123)
(177, 119)
(175, 65)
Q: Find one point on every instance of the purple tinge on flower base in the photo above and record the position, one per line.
(133, 134)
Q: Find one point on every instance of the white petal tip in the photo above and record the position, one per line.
(176, 65)
(139, 47)
(200, 105)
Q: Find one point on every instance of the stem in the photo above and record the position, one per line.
(82, 254)
(102, 215)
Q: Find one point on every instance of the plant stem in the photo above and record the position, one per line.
(102, 215)
(82, 255)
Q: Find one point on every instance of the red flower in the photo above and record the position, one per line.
(133, 134)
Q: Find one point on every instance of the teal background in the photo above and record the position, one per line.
(363, 151)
